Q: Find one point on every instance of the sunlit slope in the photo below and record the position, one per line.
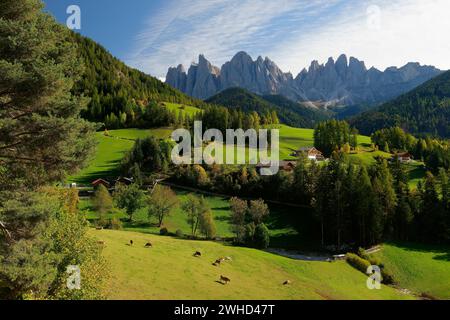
(169, 271)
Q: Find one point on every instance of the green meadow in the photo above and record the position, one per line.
(423, 269)
(111, 148)
(141, 273)
(185, 109)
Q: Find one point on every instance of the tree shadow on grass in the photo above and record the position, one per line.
(292, 228)
(222, 208)
(109, 174)
(442, 252)
(443, 257)
(222, 218)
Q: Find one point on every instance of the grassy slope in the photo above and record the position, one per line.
(139, 273)
(110, 151)
(421, 268)
(185, 109)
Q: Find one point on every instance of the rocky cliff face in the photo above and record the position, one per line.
(343, 82)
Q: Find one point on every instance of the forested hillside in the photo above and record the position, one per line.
(424, 110)
(289, 112)
(118, 93)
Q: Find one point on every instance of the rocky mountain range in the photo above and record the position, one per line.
(343, 82)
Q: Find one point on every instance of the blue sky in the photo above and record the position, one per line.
(154, 34)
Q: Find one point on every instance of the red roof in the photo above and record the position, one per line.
(100, 181)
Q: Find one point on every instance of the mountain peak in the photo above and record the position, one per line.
(342, 60)
(202, 59)
(357, 65)
(242, 55)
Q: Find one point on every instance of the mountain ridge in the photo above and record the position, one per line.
(346, 81)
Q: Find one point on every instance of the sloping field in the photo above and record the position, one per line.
(110, 151)
(421, 268)
(169, 271)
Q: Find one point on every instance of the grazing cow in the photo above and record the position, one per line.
(224, 279)
(287, 282)
(148, 245)
(197, 254)
(217, 262)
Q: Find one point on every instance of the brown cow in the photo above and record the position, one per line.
(197, 254)
(148, 245)
(224, 279)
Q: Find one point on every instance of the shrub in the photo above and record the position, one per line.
(262, 238)
(375, 262)
(179, 233)
(357, 262)
(164, 232)
(249, 233)
(362, 253)
(362, 264)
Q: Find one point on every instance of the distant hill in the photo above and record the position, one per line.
(115, 88)
(289, 112)
(424, 110)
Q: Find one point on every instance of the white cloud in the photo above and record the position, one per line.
(294, 32)
(408, 31)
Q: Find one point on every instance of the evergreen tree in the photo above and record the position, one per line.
(42, 138)
(385, 196)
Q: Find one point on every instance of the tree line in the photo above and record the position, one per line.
(334, 135)
(351, 204)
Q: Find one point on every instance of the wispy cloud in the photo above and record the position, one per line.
(294, 32)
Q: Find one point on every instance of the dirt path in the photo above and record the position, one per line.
(296, 255)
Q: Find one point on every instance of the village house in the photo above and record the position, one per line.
(99, 182)
(311, 152)
(287, 166)
(402, 157)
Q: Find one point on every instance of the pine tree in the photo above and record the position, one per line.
(431, 217)
(42, 138)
